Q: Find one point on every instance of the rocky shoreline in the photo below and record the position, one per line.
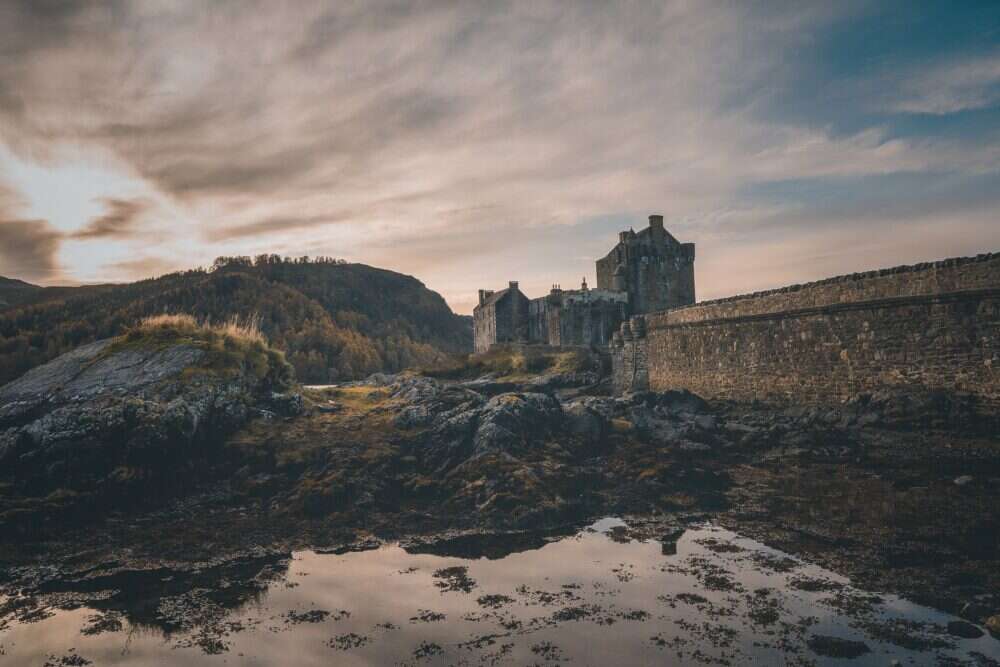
(898, 492)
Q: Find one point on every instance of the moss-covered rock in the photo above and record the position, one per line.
(134, 414)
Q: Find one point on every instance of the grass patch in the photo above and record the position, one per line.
(243, 330)
(233, 346)
(515, 361)
(362, 423)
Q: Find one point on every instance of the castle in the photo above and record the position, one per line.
(927, 327)
(645, 272)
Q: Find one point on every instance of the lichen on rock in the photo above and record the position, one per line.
(120, 415)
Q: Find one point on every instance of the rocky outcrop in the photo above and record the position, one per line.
(114, 415)
(486, 417)
(513, 455)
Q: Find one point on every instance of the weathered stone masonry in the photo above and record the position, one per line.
(629, 357)
(934, 326)
(647, 270)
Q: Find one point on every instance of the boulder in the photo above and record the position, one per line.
(964, 629)
(509, 422)
(422, 402)
(288, 404)
(71, 422)
(676, 401)
(584, 421)
(489, 385)
(912, 407)
(552, 381)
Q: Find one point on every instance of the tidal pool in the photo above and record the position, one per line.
(707, 597)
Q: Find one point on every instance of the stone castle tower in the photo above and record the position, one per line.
(654, 268)
(647, 271)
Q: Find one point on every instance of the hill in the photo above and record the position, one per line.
(333, 320)
(13, 292)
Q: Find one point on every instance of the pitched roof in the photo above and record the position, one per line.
(495, 297)
(649, 230)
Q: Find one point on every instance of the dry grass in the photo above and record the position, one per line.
(244, 329)
(247, 329)
(237, 343)
(178, 321)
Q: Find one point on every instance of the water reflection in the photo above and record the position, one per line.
(593, 598)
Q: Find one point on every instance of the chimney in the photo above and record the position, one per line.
(482, 296)
(656, 221)
(512, 284)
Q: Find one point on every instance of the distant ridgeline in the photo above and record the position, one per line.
(334, 320)
(931, 326)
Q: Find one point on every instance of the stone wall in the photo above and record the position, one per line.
(950, 275)
(576, 317)
(585, 323)
(484, 327)
(933, 326)
(629, 357)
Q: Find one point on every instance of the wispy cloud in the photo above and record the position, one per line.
(968, 84)
(462, 142)
(119, 220)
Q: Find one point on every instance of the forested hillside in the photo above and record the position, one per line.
(334, 320)
(13, 292)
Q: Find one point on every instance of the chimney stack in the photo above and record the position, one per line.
(656, 221)
(513, 284)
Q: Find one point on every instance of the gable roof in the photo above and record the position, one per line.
(499, 295)
(496, 296)
(645, 233)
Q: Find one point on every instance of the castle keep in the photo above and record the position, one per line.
(652, 267)
(647, 271)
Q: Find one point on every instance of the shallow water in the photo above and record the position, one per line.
(596, 598)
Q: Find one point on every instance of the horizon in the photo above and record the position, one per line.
(470, 145)
(591, 283)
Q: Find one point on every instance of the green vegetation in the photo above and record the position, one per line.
(361, 422)
(236, 345)
(514, 361)
(334, 321)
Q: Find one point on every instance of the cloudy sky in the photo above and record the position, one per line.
(470, 143)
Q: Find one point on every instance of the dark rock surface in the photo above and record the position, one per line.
(836, 647)
(108, 418)
(964, 630)
(848, 486)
